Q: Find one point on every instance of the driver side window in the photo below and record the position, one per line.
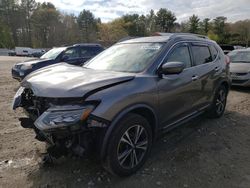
(180, 54)
(71, 53)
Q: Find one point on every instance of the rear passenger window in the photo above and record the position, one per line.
(180, 54)
(214, 52)
(201, 55)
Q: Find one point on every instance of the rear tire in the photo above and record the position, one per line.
(219, 103)
(129, 145)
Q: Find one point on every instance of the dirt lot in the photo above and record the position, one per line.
(203, 153)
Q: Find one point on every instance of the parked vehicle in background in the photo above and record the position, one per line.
(38, 53)
(123, 98)
(12, 53)
(240, 67)
(77, 54)
(23, 51)
(227, 48)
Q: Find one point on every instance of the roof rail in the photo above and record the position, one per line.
(192, 34)
(86, 44)
(180, 34)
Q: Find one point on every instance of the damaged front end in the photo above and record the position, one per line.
(65, 123)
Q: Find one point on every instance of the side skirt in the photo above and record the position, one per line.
(184, 120)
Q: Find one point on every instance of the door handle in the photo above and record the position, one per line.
(194, 78)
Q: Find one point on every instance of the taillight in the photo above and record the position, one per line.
(227, 59)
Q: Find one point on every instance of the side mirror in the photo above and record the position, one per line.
(172, 68)
(65, 58)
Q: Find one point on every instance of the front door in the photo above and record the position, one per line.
(176, 90)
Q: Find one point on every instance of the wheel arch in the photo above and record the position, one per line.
(141, 109)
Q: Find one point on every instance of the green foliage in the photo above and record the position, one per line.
(219, 28)
(6, 40)
(165, 20)
(44, 25)
(28, 23)
(110, 33)
(194, 24)
(87, 25)
(213, 36)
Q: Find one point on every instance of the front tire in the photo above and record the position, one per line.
(129, 145)
(219, 103)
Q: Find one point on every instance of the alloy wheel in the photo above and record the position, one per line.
(132, 147)
(220, 102)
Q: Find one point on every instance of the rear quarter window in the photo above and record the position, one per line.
(201, 54)
(214, 52)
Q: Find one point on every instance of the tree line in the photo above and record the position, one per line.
(42, 25)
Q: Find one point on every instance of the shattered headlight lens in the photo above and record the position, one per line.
(63, 116)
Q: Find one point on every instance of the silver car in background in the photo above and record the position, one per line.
(240, 67)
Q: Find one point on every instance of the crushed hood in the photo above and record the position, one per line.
(63, 81)
(239, 67)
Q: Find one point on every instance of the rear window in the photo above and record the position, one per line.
(201, 54)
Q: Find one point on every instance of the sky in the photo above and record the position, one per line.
(108, 10)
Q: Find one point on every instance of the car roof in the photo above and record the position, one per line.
(165, 37)
(88, 44)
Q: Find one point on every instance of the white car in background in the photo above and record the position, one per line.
(240, 67)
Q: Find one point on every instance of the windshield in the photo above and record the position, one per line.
(134, 57)
(240, 56)
(53, 53)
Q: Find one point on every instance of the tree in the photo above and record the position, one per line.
(151, 22)
(6, 40)
(27, 8)
(165, 20)
(204, 26)
(130, 24)
(194, 24)
(88, 26)
(240, 32)
(10, 15)
(45, 21)
(184, 27)
(112, 32)
(141, 27)
(219, 28)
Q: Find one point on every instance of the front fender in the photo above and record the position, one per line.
(117, 118)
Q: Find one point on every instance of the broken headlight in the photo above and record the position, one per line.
(63, 116)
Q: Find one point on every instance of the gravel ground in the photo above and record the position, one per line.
(202, 153)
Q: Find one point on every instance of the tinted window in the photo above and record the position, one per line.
(71, 53)
(201, 54)
(181, 54)
(89, 51)
(214, 52)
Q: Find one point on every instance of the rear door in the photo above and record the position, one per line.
(205, 69)
(176, 90)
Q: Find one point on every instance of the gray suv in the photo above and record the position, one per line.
(117, 104)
